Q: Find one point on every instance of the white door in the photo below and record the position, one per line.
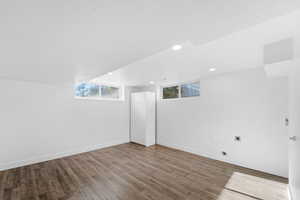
(294, 132)
(138, 118)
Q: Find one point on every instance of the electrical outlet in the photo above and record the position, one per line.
(237, 138)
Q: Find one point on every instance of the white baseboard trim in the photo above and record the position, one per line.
(53, 156)
(290, 192)
(212, 156)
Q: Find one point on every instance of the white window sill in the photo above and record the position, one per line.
(99, 99)
(180, 99)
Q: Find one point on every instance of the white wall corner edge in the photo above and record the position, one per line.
(290, 193)
(43, 158)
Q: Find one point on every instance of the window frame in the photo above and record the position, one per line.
(100, 98)
(100, 91)
(179, 91)
(162, 91)
(189, 83)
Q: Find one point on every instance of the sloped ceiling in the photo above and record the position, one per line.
(60, 42)
(237, 51)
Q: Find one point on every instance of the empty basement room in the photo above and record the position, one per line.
(150, 100)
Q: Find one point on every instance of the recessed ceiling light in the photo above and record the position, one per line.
(212, 69)
(109, 73)
(176, 47)
(151, 82)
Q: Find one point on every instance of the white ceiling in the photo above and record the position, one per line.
(59, 41)
(237, 51)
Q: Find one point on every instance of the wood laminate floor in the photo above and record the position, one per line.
(133, 172)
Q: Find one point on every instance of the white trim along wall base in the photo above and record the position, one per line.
(44, 158)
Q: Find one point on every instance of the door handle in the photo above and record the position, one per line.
(293, 138)
(287, 121)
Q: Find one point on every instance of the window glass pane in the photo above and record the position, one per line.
(109, 92)
(190, 90)
(170, 92)
(87, 90)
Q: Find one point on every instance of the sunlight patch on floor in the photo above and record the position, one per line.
(247, 187)
(230, 195)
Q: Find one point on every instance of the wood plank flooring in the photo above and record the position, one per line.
(133, 172)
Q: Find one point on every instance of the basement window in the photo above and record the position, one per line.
(171, 92)
(109, 92)
(181, 91)
(190, 90)
(97, 91)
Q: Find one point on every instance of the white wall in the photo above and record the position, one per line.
(41, 122)
(245, 104)
(294, 130)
